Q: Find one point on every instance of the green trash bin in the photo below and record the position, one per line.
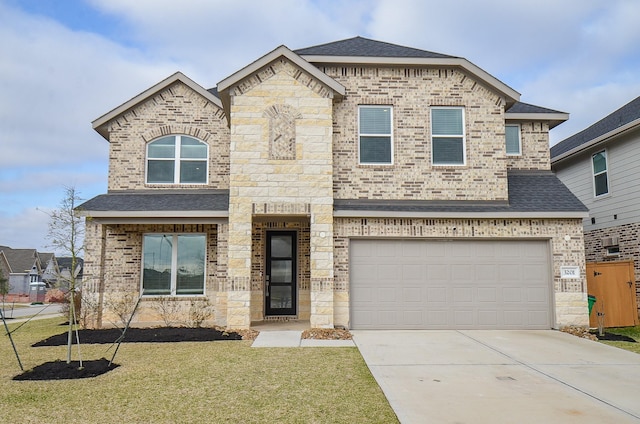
(592, 300)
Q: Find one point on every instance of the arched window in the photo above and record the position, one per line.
(177, 159)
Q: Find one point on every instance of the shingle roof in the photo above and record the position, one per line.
(626, 114)
(159, 200)
(528, 192)
(520, 107)
(20, 260)
(359, 46)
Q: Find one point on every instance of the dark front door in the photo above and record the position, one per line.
(280, 279)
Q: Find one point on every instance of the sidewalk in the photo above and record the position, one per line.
(293, 338)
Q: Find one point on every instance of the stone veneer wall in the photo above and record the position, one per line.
(411, 92)
(534, 137)
(295, 179)
(175, 110)
(116, 277)
(570, 295)
(628, 236)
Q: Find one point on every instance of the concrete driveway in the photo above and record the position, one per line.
(502, 376)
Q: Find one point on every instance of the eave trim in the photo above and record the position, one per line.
(603, 138)
(273, 55)
(99, 123)
(449, 61)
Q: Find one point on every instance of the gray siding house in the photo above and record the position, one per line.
(600, 166)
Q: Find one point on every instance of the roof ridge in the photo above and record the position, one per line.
(361, 46)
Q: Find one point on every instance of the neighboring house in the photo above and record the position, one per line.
(357, 184)
(23, 267)
(600, 166)
(65, 264)
(50, 268)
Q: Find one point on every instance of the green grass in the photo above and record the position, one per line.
(633, 332)
(192, 383)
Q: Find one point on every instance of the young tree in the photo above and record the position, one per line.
(66, 235)
(4, 287)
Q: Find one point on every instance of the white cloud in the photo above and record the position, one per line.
(216, 38)
(25, 230)
(54, 83)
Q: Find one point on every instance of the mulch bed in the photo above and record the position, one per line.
(142, 335)
(610, 337)
(60, 370)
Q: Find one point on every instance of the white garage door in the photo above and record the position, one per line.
(438, 284)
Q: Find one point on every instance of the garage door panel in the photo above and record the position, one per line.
(462, 295)
(463, 318)
(537, 317)
(450, 284)
(509, 272)
(436, 294)
(412, 294)
(437, 272)
(539, 295)
(512, 294)
(513, 318)
(412, 318)
(487, 294)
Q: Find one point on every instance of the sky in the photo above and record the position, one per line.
(65, 63)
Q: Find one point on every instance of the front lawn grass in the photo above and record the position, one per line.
(192, 382)
(633, 332)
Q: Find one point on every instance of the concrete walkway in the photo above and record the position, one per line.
(293, 338)
(502, 377)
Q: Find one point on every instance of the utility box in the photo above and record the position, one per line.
(37, 291)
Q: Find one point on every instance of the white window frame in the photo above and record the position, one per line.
(606, 172)
(463, 136)
(519, 140)
(177, 161)
(390, 135)
(174, 265)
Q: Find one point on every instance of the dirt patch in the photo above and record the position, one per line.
(146, 335)
(60, 370)
(326, 334)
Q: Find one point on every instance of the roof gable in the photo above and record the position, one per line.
(360, 50)
(21, 260)
(100, 124)
(622, 120)
(282, 51)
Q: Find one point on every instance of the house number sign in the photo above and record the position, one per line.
(569, 272)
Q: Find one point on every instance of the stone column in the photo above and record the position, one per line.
(321, 266)
(239, 266)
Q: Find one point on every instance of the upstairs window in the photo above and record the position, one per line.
(375, 134)
(600, 173)
(177, 159)
(447, 136)
(173, 264)
(514, 145)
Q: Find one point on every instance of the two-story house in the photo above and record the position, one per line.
(22, 267)
(599, 164)
(357, 183)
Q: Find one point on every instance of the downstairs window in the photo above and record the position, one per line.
(173, 264)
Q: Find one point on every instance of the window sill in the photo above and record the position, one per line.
(177, 297)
